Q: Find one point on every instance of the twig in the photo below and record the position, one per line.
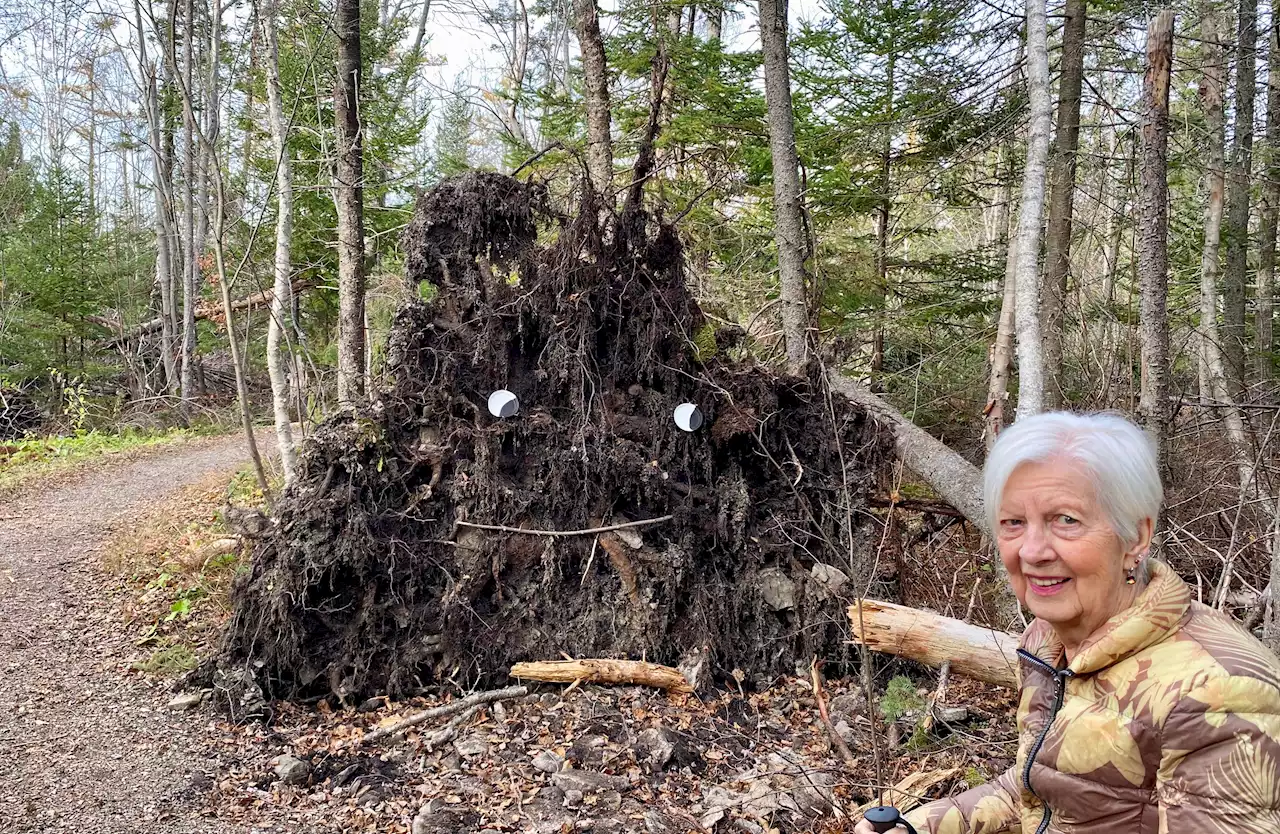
(818, 695)
(476, 699)
(449, 731)
(644, 522)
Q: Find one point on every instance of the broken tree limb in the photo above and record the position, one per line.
(601, 670)
(912, 791)
(204, 310)
(954, 478)
(973, 651)
(475, 699)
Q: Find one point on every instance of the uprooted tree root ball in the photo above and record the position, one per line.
(378, 577)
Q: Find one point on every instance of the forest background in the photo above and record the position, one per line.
(201, 203)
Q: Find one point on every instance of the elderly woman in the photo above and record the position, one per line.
(1141, 710)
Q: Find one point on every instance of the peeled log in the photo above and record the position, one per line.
(976, 652)
(603, 671)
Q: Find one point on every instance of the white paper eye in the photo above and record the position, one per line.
(503, 403)
(688, 417)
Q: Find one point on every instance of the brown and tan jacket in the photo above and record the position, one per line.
(1169, 723)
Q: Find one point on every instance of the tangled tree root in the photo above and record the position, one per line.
(384, 572)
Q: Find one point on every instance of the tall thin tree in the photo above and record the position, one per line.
(280, 323)
(1270, 212)
(1239, 174)
(1062, 189)
(1027, 241)
(788, 229)
(350, 206)
(1153, 225)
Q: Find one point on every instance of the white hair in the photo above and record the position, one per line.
(1115, 454)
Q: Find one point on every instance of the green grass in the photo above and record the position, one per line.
(22, 461)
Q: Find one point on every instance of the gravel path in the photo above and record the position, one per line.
(84, 748)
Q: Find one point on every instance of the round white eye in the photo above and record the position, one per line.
(688, 417)
(503, 403)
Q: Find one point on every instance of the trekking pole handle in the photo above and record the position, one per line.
(886, 818)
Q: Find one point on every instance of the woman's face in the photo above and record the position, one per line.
(1066, 564)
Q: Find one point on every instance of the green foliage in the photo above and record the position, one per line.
(899, 698)
(973, 777)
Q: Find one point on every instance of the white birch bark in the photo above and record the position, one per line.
(279, 324)
(1027, 241)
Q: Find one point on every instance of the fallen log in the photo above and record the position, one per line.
(602, 670)
(912, 791)
(204, 310)
(955, 479)
(973, 651)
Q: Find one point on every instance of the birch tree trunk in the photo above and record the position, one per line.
(1270, 210)
(350, 205)
(595, 80)
(788, 221)
(1062, 179)
(1211, 91)
(1153, 225)
(1238, 176)
(1027, 241)
(279, 325)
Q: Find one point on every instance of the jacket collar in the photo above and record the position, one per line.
(1158, 611)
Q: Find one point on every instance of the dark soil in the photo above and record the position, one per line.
(372, 582)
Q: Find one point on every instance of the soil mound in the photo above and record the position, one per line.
(384, 572)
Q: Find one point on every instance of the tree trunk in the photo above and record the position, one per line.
(883, 213)
(1238, 177)
(161, 172)
(1211, 90)
(1057, 256)
(190, 167)
(787, 207)
(350, 205)
(1002, 349)
(1030, 355)
(280, 323)
(954, 478)
(595, 81)
(981, 653)
(1270, 209)
(1153, 223)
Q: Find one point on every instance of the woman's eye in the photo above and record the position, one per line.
(1010, 523)
(1068, 519)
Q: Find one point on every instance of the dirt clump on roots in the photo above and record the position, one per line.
(377, 578)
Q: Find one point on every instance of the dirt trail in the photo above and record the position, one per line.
(83, 747)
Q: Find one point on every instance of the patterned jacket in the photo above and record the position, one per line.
(1169, 723)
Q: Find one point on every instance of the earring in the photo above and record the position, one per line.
(1129, 578)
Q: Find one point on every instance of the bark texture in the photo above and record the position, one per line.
(595, 79)
(981, 653)
(1062, 182)
(350, 205)
(1030, 352)
(1270, 211)
(787, 206)
(1153, 227)
(280, 323)
(1234, 276)
(1211, 99)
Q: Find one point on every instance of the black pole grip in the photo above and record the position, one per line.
(886, 818)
